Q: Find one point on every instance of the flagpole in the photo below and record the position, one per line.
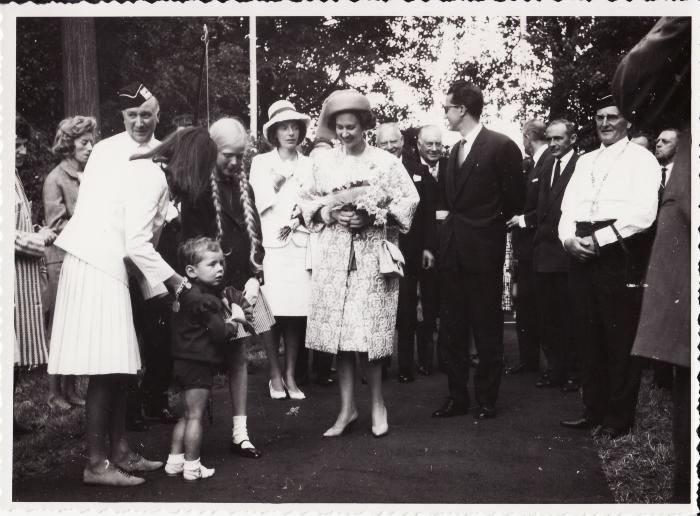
(253, 77)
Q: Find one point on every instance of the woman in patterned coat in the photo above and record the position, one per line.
(353, 305)
(30, 340)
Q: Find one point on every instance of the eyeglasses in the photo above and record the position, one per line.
(447, 107)
(611, 118)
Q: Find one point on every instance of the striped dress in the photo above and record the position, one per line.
(30, 339)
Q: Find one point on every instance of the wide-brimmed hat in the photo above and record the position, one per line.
(339, 100)
(283, 111)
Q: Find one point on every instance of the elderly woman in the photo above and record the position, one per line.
(277, 178)
(74, 139)
(353, 305)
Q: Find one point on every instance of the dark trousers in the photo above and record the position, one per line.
(471, 301)
(681, 434)
(554, 314)
(408, 325)
(605, 316)
(526, 322)
(152, 324)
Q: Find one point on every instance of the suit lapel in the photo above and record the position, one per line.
(451, 175)
(466, 169)
(558, 190)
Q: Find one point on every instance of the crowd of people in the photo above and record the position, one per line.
(169, 256)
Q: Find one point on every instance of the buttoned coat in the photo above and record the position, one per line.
(548, 254)
(355, 311)
(423, 232)
(481, 194)
(522, 238)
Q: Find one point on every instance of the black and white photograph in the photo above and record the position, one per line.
(389, 254)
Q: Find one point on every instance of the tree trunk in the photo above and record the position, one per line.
(80, 87)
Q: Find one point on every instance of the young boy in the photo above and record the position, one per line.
(205, 318)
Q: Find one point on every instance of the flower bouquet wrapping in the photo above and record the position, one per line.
(372, 197)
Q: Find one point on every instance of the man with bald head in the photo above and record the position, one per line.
(390, 139)
(430, 152)
(418, 247)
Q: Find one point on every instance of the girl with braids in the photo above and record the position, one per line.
(228, 214)
(277, 178)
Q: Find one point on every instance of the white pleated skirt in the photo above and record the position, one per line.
(287, 282)
(93, 326)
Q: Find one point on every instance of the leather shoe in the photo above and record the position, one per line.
(612, 433)
(249, 453)
(570, 386)
(406, 378)
(582, 422)
(424, 371)
(451, 408)
(141, 464)
(484, 412)
(325, 382)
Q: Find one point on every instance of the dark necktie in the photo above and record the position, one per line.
(663, 177)
(557, 172)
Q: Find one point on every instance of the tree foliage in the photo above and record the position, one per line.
(583, 53)
(304, 59)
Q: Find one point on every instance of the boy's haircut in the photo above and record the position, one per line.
(191, 251)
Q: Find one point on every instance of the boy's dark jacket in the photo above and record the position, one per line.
(199, 330)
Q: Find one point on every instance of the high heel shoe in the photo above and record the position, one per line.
(275, 394)
(383, 429)
(295, 395)
(333, 432)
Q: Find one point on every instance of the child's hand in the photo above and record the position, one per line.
(238, 316)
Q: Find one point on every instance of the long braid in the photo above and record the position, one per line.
(217, 206)
(249, 216)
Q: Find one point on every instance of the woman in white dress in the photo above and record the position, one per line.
(353, 305)
(112, 235)
(277, 177)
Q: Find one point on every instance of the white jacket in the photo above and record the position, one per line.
(120, 212)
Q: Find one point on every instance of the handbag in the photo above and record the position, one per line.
(391, 260)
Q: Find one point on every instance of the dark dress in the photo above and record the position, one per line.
(198, 218)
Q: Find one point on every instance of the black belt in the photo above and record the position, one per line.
(588, 229)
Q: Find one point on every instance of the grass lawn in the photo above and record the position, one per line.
(639, 466)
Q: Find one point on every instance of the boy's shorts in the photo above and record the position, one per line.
(189, 374)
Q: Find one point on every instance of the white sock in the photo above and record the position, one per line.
(240, 431)
(192, 465)
(178, 458)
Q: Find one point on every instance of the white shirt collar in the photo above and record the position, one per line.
(422, 160)
(620, 143)
(538, 154)
(471, 135)
(564, 160)
(668, 167)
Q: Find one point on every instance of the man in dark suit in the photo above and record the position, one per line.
(418, 246)
(523, 231)
(429, 145)
(484, 187)
(551, 262)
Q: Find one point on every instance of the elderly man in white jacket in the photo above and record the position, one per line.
(119, 214)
